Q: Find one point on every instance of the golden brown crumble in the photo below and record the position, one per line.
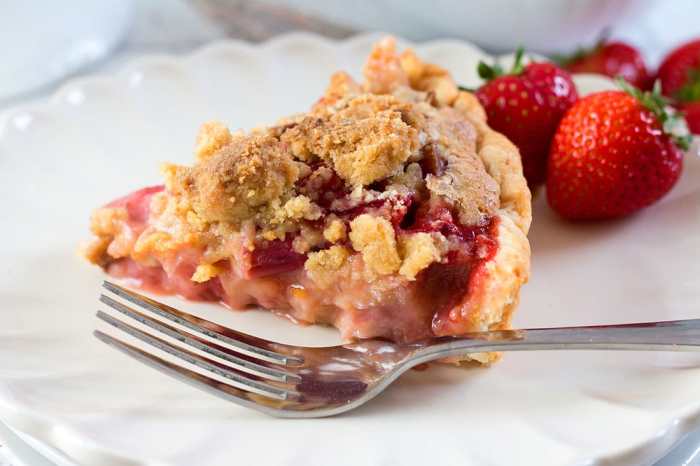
(301, 207)
(463, 180)
(374, 238)
(383, 71)
(322, 265)
(213, 135)
(341, 85)
(335, 230)
(419, 250)
(107, 220)
(364, 140)
(364, 133)
(106, 225)
(308, 239)
(242, 178)
(363, 137)
(429, 78)
(411, 177)
(205, 272)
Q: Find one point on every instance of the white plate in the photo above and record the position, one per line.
(102, 136)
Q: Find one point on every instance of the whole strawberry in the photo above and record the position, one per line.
(614, 154)
(526, 105)
(691, 112)
(680, 73)
(611, 59)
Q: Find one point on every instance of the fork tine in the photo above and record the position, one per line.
(247, 343)
(197, 380)
(239, 362)
(243, 383)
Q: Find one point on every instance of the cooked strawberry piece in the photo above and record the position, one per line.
(435, 219)
(395, 208)
(138, 203)
(400, 208)
(439, 218)
(274, 258)
(458, 275)
(437, 278)
(461, 273)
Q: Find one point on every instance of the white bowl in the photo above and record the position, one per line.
(42, 41)
(544, 26)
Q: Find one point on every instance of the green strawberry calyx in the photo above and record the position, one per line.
(489, 72)
(671, 120)
(690, 91)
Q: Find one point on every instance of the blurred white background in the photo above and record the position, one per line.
(42, 41)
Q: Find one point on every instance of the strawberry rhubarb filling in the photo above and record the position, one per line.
(272, 275)
(390, 210)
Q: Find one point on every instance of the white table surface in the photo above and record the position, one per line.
(178, 26)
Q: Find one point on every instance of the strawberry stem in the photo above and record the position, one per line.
(518, 66)
(489, 72)
(671, 121)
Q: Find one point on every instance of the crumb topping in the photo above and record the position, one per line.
(341, 85)
(301, 207)
(462, 180)
(383, 71)
(374, 238)
(336, 177)
(429, 78)
(411, 177)
(308, 238)
(335, 231)
(365, 140)
(419, 250)
(242, 178)
(106, 225)
(322, 265)
(205, 272)
(213, 135)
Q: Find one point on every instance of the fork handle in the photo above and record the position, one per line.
(677, 335)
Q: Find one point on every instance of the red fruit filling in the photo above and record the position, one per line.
(273, 258)
(272, 275)
(138, 203)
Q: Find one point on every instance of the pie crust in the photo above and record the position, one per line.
(390, 210)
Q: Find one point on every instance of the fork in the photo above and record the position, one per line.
(305, 382)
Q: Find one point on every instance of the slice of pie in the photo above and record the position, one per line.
(390, 210)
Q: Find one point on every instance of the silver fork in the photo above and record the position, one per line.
(302, 382)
